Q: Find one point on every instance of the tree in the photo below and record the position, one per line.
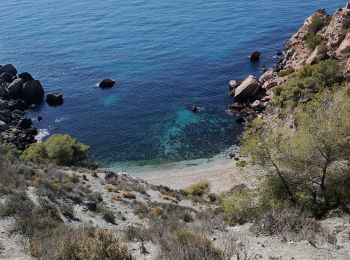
(311, 162)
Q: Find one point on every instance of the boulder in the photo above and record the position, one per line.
(3, 86)
(33, 92)
(247, 89)
(255, 56)
(5, 115)
(18, 104)
(54, 99)
(8, 68)
(15, 89)
(90, 205)
(256, 105)
(106, 83)
(269, 74)
(3, 126)
(269, 84)
(7, 77)
(3, 104)
(25, 123)
(25, 76)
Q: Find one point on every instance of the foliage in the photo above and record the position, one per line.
(310, 165)
(186, 244)
(58, 149)
(198, 189)
(79, 244)
(308, 81)
(286, 72)
(238, 204)
(312, 39)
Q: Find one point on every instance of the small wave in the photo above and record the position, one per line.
(61, 119)
(42, 133)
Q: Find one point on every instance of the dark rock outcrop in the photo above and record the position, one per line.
(33, 92)
(14, 90)
(255, 56)
(8, 68)
(54, 99)
(7, 77)
(25, 76)
(25, 123)
(106, 83)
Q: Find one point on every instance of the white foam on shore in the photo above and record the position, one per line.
(42, 133)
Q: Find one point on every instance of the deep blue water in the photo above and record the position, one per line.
(165, 55)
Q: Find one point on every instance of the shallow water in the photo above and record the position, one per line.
(165, 55)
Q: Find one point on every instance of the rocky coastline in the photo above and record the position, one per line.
(252, 97)
(19, 92)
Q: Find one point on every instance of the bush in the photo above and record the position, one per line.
(238, 204)
(312, 39)
(291, 224)
(79, 244)
(308, 81)
(309, 165)
(185, 244)
(58, 149)
(286, 72)
(198, 189)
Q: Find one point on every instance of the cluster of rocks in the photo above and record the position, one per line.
(252, 96)
(17, 94)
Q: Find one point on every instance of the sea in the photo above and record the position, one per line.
(166, 56)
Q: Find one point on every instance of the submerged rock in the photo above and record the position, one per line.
(106, 83)
(33, 92)
(54, 99)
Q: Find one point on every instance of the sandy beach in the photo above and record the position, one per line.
(222, 175)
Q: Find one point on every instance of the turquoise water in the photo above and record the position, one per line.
(165, 55)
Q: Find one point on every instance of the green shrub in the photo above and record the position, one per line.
(58, 149)
(286, 72)
(238, 204)
(309, 166)
(312, 39)
(308, 81)
(198, 189)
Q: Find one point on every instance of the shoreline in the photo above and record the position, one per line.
(221, 171)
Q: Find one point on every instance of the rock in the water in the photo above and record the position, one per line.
(33, 92)
(255, 56)
(25, 123)
(240, 120)
(54, 99)
(3, 126)
(15, 89)
(8, 68)
(247, 89)
(7, 77)
(106, 83)
(233, 84)
(195, 109)
(25, 76)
